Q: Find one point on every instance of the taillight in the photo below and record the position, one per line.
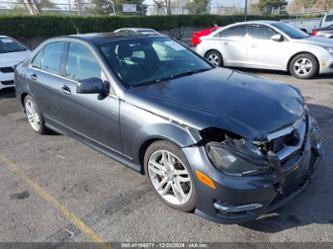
(314, 32)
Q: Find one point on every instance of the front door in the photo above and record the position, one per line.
(263, 52)
(93, 117)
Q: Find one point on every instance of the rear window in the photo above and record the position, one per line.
(261, 32)
(49, 58)
(234, 32)
(52, 56)
(8, 45)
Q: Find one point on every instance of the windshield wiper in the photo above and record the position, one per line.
(174, 76)
(190, 72)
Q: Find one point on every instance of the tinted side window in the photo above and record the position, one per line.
(81, 63)
(329, 18)
(238, 31)
(37, 60)
(52, 56)
(261, 32)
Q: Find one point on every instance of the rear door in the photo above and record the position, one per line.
(45, 81)
(263, 52)
(233, 44)
(92, 117)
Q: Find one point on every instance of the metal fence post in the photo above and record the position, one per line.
(245, 11)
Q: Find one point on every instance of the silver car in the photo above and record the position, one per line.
(268, 45)
(142, 31)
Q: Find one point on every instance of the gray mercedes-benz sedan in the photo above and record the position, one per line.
(225, 144)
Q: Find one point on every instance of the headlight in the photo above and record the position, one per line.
(239, 157)
(330, 50)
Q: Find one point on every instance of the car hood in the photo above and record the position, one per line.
(319, 41)
(221, 98)
(11, 59)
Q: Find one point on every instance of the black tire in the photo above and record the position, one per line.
(42, 129)
(188, 206)
(217, 60)
(314, 70)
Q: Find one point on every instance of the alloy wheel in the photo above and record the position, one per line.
(32, 114)
(214, 59)
(303, 67)
(170, 177)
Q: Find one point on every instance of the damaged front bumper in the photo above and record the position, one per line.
(238, 199)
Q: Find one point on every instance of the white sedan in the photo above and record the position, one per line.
(268, 45)
(11, 53)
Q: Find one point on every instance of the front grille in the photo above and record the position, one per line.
(7, 82)
(284, 143)
(6, 69)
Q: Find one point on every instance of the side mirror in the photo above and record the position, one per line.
(277, 38)
(92, 85)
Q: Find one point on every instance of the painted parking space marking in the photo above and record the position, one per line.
(87, 231)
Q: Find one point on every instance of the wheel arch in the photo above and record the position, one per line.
(143, 148)
(298, 53)
(178, 136)
(23, 95)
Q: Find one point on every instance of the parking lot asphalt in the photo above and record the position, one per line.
(54, 188)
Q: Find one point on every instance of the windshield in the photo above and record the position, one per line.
(151, 60)
(8, 45)
(292, 32)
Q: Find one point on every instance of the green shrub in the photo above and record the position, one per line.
(27, 27)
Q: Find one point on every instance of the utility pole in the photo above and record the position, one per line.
(245, 10)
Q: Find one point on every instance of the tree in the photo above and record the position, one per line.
(298, 6)
(101, 7)
(267, 6)
(79, 5)
(197, 6)
(36, 6)
(165, 3)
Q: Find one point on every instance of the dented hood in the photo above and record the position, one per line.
(238, 102)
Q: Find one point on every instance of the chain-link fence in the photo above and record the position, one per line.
(108, 7)
(91, 7)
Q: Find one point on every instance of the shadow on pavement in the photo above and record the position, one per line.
(7, 93)
(314, 205)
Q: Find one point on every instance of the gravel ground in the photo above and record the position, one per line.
(117, 203)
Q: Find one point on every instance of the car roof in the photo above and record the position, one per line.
(259, 22)
(267, 22)
(101, 38)
(136, 29)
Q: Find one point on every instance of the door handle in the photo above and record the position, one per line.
(65, 89)
(225, 43)
(254, 46)
(33, 76)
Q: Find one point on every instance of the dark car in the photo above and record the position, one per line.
(326, 32)
(225, 144)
